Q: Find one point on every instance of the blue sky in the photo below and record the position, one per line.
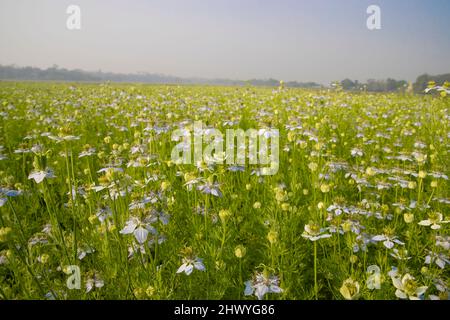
(322, 40)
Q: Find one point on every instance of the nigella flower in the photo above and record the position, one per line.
(140, 248)
(189, 264)
(336, 209)
(352, 226)
(313, 232)
(262, 284)
(140, 204)
(40, 175)
(356, 152)
(210, 188)
(407, 287)
(5, 193)
(434, 220)
(83, 251)
(140, 229)
(442, 200)
(86, 153)
(94, 282)
(361, 242)
(103, 213)
(443, 241)
(443, 293)
(350, 289)
(439, 258)
(59, 139)
(38, 239)
(388, 240)
(156, 215)
(191, 182)
(110, 170)
(38, 149)
(22, 150)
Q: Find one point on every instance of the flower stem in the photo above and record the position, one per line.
(315, 271)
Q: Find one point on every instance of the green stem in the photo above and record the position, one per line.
(316, 289)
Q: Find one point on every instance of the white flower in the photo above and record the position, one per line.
(350, 289)
(388, 241)
(210, 188)
(94, 282)
(189, 264)
(313, 232)
(443, 241)
(434, 220)
(356, 152)
(5, 193)
(262, 284)
(103, 213)
(82, 252)
(86, 153)
(139, 229)
(40, 175)
(407, 287)
(440, 259)
(61, 138)
(110, 170)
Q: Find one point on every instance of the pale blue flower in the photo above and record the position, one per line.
(260, 285)
(190, 264)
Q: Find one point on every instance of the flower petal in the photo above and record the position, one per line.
(400, 294)
(388, 244)
(421, 290)
(248, 288)
(199, 266)
(129, 227)
(189, 268)
(38, 176)
(275, 289)
(261, 290)
(141, 234)
(380, 237)
(182, 268)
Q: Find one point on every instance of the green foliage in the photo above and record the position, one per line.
(354, 168)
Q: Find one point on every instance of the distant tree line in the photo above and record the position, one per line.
(55, 73)
(61, 74)
(388, 85)
(291, 84)
(392, 85)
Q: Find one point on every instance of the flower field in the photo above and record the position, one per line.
(92, 205)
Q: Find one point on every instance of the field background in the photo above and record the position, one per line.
(359, 166)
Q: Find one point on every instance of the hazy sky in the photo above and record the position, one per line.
(304, 40)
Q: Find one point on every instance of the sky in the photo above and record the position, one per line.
(303, 40)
